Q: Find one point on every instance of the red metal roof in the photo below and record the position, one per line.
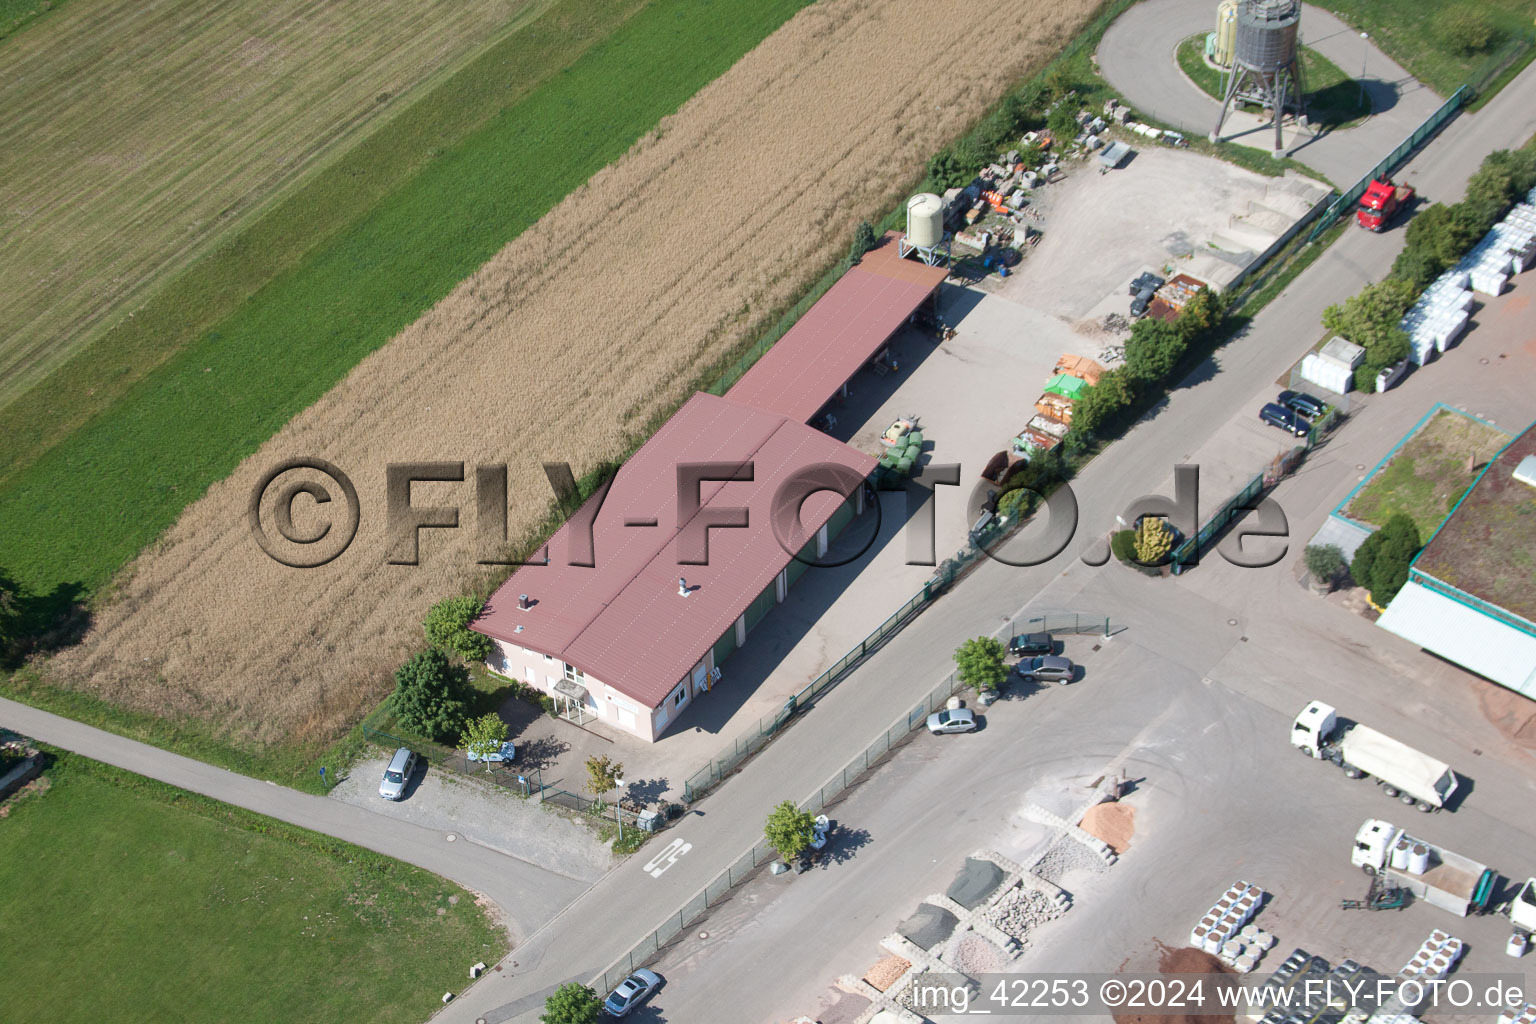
(623, 621)
(839, 334)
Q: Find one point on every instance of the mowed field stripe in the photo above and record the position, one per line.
(92, 501)
(131, 134)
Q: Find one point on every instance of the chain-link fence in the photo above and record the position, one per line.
(761, 854)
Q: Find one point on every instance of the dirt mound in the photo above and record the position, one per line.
(929, 926)
(1184, 960)
(973, 883)
(1112, 822)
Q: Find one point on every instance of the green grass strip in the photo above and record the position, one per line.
(91, 502)
(188, 908)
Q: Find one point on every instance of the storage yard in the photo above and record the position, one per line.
(206, 625)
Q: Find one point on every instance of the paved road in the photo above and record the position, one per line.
(627, 904)
(1136, 56)
(529, 895)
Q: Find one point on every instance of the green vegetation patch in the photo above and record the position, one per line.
(1431, 471)
(1334, 99)
(97, 497)
(1443, 43)
(176, 901)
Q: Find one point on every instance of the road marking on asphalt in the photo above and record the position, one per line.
(667, 857)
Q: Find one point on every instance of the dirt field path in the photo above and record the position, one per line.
(667, 258)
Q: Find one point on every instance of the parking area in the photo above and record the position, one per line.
(466, 809)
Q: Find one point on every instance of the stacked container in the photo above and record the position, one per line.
(1224, 930)
(1439, 317)
(1435, 957)
(1524, 1015)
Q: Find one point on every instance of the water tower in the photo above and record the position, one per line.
(1264, 69)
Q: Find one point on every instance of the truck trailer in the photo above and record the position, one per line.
(1432, 873)
(1401, 771)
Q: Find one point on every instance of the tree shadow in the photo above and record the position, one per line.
(39, 623)
(646, 791)
(540, 754)
(842, 846)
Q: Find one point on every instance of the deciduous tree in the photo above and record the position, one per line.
(428, 698)
(447, 627)
(572, 1003)
(484, 736)
(979, 663)
(789, 830)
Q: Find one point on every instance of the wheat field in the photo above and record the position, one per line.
(664, 260)
(132, 134)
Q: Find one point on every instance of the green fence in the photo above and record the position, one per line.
(767, 727)
(1432, 124)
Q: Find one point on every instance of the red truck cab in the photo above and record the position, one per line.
(1380, 203)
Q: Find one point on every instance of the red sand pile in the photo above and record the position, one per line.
(1186, 960)
(885, 972)
(1112, 822)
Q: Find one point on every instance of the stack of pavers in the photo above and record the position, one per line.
(1508, 248)
(1439, 317)
(1225, 930)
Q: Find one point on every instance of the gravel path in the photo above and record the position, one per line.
(486, 815)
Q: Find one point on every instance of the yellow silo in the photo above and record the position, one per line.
(1226, 33)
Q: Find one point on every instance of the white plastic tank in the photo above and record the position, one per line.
(1418, 859)
(925, 220)
(1400, 855)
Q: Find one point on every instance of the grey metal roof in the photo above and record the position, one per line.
(1462, 634)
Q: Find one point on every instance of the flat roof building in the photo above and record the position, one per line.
(1471, 592)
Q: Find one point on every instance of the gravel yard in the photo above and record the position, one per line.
(484, 814)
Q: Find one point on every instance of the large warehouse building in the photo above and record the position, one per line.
(645, 592)
(1471, 593)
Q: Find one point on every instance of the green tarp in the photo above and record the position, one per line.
(1067, 386)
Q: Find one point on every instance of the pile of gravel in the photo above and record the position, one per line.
(977, 880)
(1065, 856)
(928, 927)
(974, 955)
(1021, 911)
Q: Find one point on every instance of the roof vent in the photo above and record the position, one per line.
(523, 603)
(682, 587)
(1526, 471)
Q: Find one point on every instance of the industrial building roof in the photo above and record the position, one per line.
(623, 620)
(1463, 634)
(839, 334)
(1487, 545)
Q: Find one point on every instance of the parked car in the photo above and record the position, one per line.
(1047, 669)
(397, 774)
(632, 991)
(1309, 406)
(952, 720)
(1285, 418)
(1031, 643)
(506, 752)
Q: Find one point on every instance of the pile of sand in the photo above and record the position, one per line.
(885, 972)
(1112, 822)
(1185, 960)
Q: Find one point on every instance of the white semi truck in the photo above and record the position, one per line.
(1432, 873)
(1401, 771)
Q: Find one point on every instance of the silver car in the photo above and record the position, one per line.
(397, 774)
(632, 991)
(952, 720)
(1047, 669)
